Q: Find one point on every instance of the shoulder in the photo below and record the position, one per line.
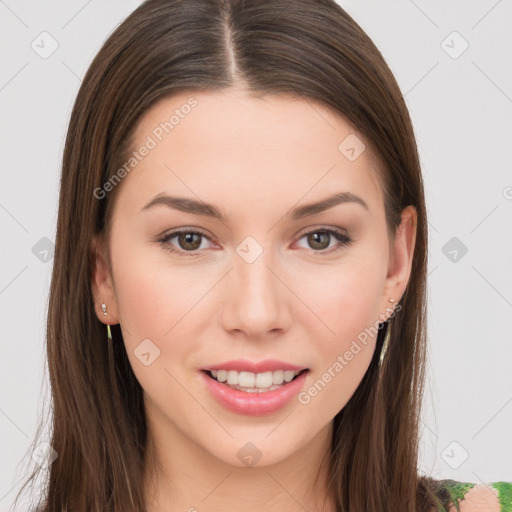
(469, 497)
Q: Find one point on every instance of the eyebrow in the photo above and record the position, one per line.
(194, 207)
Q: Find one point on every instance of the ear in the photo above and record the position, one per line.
(400, 262)
(102, 284)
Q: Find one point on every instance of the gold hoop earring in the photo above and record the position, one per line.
(109, 333)
(385, 344)
(384, 348)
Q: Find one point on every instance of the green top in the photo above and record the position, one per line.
(458, 490)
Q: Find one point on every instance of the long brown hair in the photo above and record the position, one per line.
(311, 48)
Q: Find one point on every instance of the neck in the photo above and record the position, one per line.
(182, 476)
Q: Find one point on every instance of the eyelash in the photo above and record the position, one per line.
(343, 241)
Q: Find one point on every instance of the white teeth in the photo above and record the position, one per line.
(262, 380)
(278, 377)
(253, 380)
(288, 376)
(232, 378)
(246, 379)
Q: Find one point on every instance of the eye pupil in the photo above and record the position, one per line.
(187, 238)
(315, 238)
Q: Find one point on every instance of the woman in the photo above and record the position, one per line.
(242, 207)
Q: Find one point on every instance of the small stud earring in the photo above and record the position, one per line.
(104, 309)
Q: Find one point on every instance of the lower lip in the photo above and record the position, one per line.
(254, 404)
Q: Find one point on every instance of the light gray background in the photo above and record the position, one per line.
(461, 107)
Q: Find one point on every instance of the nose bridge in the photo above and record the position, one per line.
(256, 301)
(257, 282)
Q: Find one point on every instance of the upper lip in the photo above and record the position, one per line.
(244, 365)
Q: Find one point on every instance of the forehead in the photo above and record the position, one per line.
(218, 144)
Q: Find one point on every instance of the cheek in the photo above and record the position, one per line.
(345, 298)
(151, 298)
(345, 328)
(153, 305)
(341, 360)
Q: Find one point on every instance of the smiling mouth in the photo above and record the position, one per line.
(254, 383)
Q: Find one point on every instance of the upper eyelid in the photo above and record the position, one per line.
(313, 229)
(323, 228)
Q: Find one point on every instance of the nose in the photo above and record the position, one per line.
(257, 301)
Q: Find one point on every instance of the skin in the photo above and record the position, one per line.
(255, 159)
(481, 498)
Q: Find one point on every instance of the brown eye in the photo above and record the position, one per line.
(319, 241)
(188, 242)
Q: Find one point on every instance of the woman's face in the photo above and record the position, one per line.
(267, 281)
